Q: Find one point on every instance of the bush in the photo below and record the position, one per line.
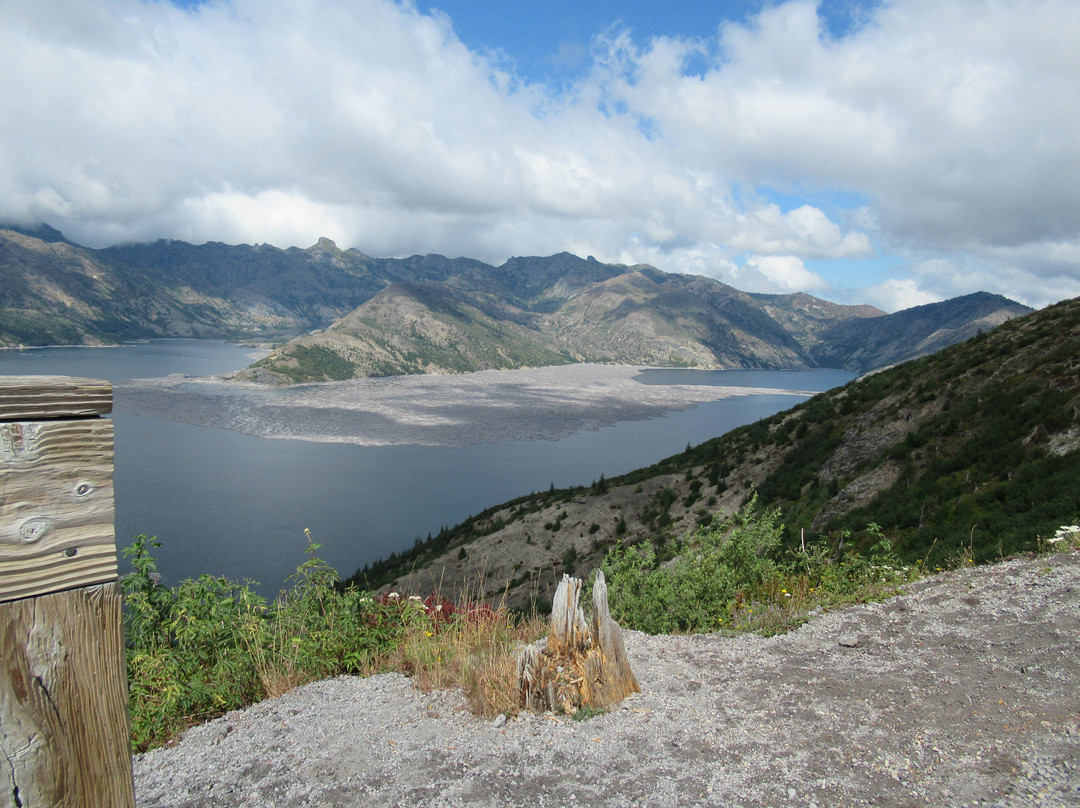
(569, 560)
(729, 576)
(211, 645)
(716, 565)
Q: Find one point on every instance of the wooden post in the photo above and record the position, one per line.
(581, 664)
(65, 735)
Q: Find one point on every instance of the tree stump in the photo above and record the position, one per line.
(581, 664)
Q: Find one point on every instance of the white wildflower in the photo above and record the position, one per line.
(1064, 532)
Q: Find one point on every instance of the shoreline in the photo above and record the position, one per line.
(489, 406)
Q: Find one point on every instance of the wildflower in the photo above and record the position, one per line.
(393, 596)
(430, 634)
(415, 597)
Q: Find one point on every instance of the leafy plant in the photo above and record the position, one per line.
(715, 565)
(732, 576)
(210, 645)
(187, 656)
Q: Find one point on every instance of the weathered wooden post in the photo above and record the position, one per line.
(581, 664)
(64, 724)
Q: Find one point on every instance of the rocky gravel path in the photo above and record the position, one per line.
(964, 691)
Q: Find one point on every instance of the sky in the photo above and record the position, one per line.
(863, 151)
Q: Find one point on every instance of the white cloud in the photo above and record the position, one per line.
(1027, 282)
(955, 126)
(896, 294)
(958, 121)
(806, 230)
(779, 273)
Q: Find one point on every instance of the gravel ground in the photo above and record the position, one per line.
(963, 691)
(454, 410)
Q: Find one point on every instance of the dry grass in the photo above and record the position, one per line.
(475, 652)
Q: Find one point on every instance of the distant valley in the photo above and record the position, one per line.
(341, 314)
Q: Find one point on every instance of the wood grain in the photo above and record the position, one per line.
(56, 506)
(64, 726)
(39, 397)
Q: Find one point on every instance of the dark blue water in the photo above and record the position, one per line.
(817, 381)
(235, 505)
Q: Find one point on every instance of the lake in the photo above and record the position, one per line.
(231, 504)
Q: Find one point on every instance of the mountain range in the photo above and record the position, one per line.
(346, 314)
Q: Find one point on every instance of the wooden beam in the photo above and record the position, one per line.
(65, 735)
(56, 506)
(39, 397)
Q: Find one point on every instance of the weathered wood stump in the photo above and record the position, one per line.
(581, 665)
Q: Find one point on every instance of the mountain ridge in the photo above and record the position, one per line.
(349, 314)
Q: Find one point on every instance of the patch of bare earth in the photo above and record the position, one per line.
(965, 690)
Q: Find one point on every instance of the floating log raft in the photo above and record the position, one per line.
(581, 664)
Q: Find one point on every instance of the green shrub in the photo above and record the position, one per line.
(187, 655)
(210, 645)
(715, 565)
(569, 560)
(730, 576)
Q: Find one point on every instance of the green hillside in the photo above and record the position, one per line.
(972, 450)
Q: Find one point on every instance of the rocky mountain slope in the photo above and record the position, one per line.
(540, 311)
(543, 311)
(57, 292)
(365, 316)
(972, 449)
(860, 345)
